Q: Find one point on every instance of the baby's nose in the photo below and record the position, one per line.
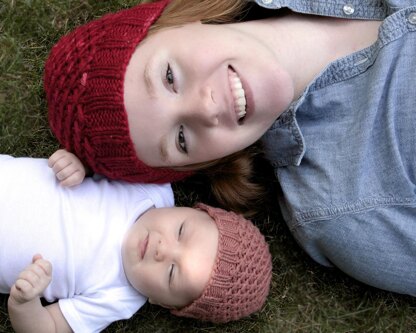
(160, 252)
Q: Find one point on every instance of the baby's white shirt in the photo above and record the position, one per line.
(80, 231)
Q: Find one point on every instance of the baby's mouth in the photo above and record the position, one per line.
(143, 247)
(238, 93)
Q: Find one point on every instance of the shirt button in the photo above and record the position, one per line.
(267, 2)
(412, 18)
(348, 9)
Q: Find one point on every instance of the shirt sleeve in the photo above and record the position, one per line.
(93, 313)
(377, 247)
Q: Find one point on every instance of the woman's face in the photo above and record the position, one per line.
(201, 92)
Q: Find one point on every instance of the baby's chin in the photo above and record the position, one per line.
(163, 305)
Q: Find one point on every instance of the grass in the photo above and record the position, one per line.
(304, 296)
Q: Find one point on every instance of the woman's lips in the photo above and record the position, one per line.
(143, 246)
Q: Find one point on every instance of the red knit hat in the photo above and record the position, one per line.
(84, 84)
(241, 275)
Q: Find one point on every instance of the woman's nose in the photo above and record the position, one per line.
(204, 108)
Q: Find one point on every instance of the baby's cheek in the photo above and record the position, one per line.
(149, 283)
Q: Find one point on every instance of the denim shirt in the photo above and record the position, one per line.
(344, 153)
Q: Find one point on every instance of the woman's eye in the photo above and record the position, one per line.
(182, 140)
(169, 76)
(180, 231)
(171, 273)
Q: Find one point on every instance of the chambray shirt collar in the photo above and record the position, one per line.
(363, 9)
(285, 133)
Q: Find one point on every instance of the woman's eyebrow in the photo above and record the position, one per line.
(150, 88)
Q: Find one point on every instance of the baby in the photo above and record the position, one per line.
(102, 247)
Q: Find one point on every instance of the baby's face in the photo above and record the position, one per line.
(169, 253)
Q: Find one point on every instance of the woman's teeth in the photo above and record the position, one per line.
(238, 93)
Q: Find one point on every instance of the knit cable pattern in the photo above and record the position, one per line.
(84, 84)
(240, 280)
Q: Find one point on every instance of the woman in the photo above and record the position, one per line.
(327, 92)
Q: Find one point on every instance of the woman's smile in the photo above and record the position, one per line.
(238, 94)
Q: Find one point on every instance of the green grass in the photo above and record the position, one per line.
(304, 296)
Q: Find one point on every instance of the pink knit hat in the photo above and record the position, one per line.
(84, 84)
(240, 279)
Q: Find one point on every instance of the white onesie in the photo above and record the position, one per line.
(80, 231)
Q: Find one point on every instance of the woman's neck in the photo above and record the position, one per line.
(306, 44)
